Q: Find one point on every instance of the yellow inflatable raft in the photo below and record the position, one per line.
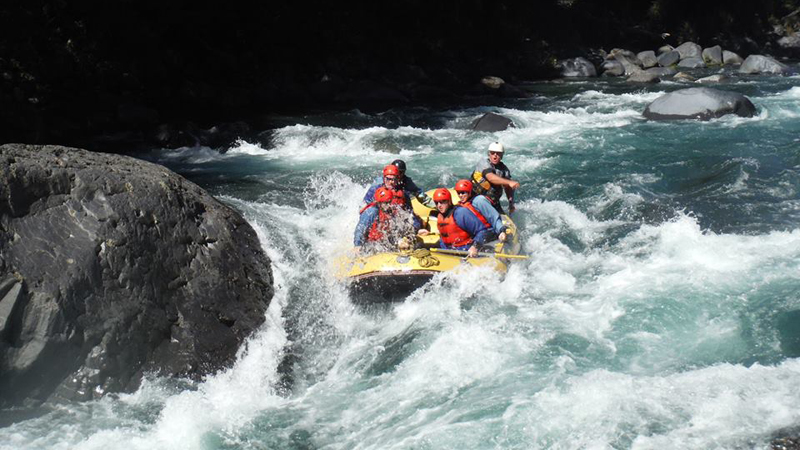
(391, 276)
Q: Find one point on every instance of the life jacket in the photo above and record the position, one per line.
(480, 185)
(380, 226)
(477, 213)
(399, 197)
(452, 235)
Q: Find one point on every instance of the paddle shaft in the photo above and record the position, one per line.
(465, 253)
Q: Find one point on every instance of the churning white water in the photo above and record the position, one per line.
(659, 308)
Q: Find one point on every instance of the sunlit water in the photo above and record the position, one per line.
(660, 306)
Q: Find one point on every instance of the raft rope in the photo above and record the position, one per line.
(426, 259)
(423, 255)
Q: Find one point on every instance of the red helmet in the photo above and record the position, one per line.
(464, 186)
(441, 195)
(383, 195)
(391, 169)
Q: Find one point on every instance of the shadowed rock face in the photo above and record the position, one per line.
(111, 267)
(699, 103)
(491, 122)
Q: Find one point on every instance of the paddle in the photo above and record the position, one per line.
(465, 253)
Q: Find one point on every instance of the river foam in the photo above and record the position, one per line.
(658, 307)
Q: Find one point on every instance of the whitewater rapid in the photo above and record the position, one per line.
(659, 307)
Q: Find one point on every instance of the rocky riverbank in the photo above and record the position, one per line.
(138, 75)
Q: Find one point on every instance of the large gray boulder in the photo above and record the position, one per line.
(683, 76)
(662, 72)
(111, 267)
(669, 58)
(791, 41)
(612, 68)
(577, 67)
(689, 50)
(692, 63)
(665, 49)
(716, 78)
(630, 62)
(644, 76)
(763, 64)
(713, 55)
(699, 103)
(729, 57)
(648, 59)
(491, 122)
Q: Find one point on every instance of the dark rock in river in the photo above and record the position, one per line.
(111, 267)
(188, 135)
(699, 103)
(491, 122)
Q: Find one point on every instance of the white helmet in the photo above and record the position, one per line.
(496, 147)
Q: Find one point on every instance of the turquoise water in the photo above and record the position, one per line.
(660, 306)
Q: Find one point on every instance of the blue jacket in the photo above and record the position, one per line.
(365, 222)
(472, 225)
(485, 207)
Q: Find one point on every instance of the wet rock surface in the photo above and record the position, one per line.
(577, 67)
(699, 103)
(491, 122)
(111, 267)
(755, 64)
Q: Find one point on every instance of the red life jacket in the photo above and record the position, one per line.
(477, 213)
(380, 226)
(452, 235)
(399, 197)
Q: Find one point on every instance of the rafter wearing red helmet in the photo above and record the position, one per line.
(481, 207)
(459, 228)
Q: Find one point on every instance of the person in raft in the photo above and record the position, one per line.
(459, 227)
(383, 223)
(402, 182)
(491, 177)
(481, 207)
